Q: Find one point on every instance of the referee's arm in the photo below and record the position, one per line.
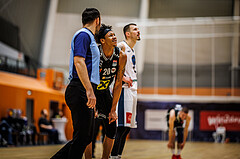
(82, 72)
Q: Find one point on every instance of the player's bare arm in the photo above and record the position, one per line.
(81, 68)
(118, 86)
(188, 119)
(171, 128)
(125, 79)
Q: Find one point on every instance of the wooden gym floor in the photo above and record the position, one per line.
(136, 149)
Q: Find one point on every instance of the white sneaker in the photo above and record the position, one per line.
(114, 157)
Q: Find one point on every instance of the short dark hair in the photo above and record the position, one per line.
(102, 32)
(42, 112)
(185, 110)
(127, 28)
(89, 15)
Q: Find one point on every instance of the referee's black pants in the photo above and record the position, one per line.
(83, 121)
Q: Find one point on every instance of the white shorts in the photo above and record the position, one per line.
(127, 108)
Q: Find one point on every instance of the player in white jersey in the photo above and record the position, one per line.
(127, 104)
(131, 70)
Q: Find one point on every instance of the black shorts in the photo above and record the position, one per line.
(103, 106)
(104, 102)
(110, 129)
(180, 134)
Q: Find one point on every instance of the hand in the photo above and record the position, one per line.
(50, 127)
(112, 116)
(170, 145)
(182, 145)
(128, 80)
(91, 99)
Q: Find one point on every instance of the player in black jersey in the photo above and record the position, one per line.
(175, 120)
(112, 65)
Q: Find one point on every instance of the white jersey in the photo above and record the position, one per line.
(130, 68)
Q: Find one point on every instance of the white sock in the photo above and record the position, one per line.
(119, 156)
(173, 151)
(114, 157)
(179, 151)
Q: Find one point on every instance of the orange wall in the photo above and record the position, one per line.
(15, 98)
(69, 127)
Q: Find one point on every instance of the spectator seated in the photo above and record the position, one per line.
(220, 133)
(46, 127)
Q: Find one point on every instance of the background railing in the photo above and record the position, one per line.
(27, 67)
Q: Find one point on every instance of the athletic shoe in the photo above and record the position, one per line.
(174, 157)
(178, 157)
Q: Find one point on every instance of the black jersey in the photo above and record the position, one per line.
(178, 121)
(108, 68)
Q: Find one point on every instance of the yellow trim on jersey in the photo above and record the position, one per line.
(103, 84)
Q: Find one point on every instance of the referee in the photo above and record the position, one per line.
(84, 78)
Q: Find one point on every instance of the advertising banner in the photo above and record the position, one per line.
(210, 120)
